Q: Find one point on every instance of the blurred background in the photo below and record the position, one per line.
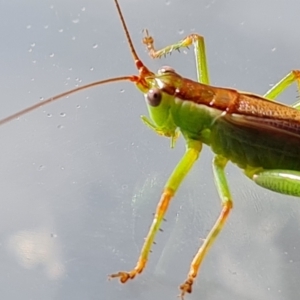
(80, 178)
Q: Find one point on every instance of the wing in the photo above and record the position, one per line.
(257, 112)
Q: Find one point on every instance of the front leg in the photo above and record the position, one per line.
(172, 185)
(219, 164)
(193, 39)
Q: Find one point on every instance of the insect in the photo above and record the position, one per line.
(259, 135)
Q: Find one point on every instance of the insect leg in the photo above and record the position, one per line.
(283, 84)
(219, 164)
(281, 181)
(193, 39)
(182, 169)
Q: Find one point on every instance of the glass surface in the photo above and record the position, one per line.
(80, 178)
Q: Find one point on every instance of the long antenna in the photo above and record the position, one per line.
(140, 66)
(137, 60)
(59, 96)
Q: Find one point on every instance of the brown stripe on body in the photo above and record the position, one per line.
(262, 112)
(199, 93)
(256, 109)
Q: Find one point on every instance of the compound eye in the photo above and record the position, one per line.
(165, 69)
(154, 97)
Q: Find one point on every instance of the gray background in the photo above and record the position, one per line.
(80, 179)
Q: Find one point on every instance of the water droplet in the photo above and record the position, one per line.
(32, 79)
(274, 49)
(91, 69)
(168, 2)
(60, 30)
(32, 45)
(95, 46)
(49, 115)
(60, 126)
(83, 9)
(28, 26)
(78, 106)
(181, 31)
(41, 167)
(53, 235)
(122, 90)
(41, 98)
(73, 38)
(34, 61)
(51, 55)
(30, 50)
(46, 26)
(75, 21)
(62, 114)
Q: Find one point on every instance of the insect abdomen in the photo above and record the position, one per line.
(255, 147)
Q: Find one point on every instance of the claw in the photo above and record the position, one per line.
(186, 287)
(123, 276)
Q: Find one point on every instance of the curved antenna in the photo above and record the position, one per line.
(143, 72)
(52, 99)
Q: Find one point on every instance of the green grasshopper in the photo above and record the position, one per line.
(259, 135)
